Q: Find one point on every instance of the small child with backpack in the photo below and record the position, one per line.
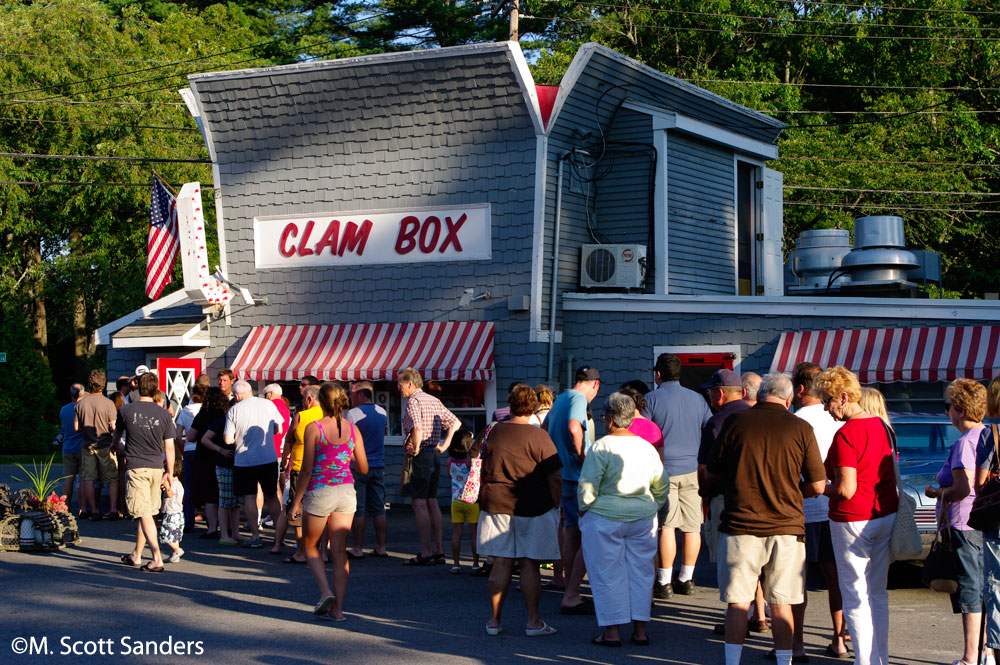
(464, 508)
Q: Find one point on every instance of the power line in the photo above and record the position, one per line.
(777, 19)
(889, 207)
(68, 102)
(97, 124)
(889, 191)
(878, 112)
(28, 155)
(836, 85)
(878, 161)
(84, 184)
(739, 31)
(900, 9)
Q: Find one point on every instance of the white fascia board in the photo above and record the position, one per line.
(538, 234)
(527, 83)
(670, 120)
(103, 334)
(193, 102)
(889, 308)
(372, 59)
(765, 119)
(174, 341)
(568, 81)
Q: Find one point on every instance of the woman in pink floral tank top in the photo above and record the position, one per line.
(325, 492)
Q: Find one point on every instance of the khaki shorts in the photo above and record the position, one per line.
(781, 560)
(515, 537)
(71, 464)
(99, 463)
(142, 491)
(332, 499)
(683, 507)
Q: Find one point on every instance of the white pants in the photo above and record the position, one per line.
(619, 558)
(862, 552)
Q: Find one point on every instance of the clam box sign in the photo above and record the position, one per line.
(410, 235)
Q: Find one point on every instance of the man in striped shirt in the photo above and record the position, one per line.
(429, 426)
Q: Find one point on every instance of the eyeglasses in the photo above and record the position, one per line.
(826, 400)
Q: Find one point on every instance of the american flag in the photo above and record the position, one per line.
(164, 240)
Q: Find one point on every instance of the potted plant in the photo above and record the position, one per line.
(46, 521)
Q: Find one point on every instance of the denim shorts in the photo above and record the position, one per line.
(991, 575)
(570, 507)
(969, 559)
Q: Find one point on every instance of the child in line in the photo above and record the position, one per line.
(172, 525)
(462, 513)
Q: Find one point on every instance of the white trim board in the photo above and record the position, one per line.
(538, 233)
(185, 340)
(734, 349)
(669, 120)
(906, 309)
(103, 334)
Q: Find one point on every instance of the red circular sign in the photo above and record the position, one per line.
(627, 255)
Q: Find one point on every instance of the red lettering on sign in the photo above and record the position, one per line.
(627, 255)
(303, 249)
(289, 231)
(452, 236)
(408, 228)
(329, 238)
(355, 237)
(431, 222)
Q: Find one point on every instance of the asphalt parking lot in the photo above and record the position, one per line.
(232, 605)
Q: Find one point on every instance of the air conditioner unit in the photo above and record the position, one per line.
(613, 266)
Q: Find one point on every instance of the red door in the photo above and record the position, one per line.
(177, 376)
(697, 368)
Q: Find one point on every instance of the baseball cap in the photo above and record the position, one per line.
(587, 373)
(724, 378)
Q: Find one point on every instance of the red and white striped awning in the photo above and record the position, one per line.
(444, 351)
(896, 354)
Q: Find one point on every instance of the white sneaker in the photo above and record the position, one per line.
(176, 556)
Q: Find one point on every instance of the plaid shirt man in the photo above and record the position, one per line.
(430, 415)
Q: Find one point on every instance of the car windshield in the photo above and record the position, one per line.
(925, 439)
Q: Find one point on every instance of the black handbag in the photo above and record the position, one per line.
(940, 568)
(985, 513)
(407, 471)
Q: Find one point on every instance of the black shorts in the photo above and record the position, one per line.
(819, 546)
(246, 478)
(424, 477)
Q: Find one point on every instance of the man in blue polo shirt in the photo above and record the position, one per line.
(680, 413)
(72, 442)
(567, 427)
(369, 487)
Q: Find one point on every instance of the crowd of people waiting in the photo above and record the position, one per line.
(782, 488)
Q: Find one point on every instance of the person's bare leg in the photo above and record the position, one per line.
(339, 525)
(736, 623)
(692, 546)
(456, 542)
(836, 602)
(140, 543)
(381, 531)
(759, 605)
(798, 621)
(970, 630)
(639, 631)
(274, 510)
(531, 591)
(358, 535)
(212, 512)
(781, 626)
(250, 505)
(113, 497)
(423, 520)
(223, 521)
(559, 569)
(570, 549)
(234, 522)
(89, 503)
(499, 584)
(437, 526)
(668, 548)
(147, 529)
(68, 482)
(572, 593)
(280, 529)
(475, 553)
(300, 547)
(315, 527)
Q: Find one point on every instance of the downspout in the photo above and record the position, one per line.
(555, 268)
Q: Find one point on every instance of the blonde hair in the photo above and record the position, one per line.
(545, 396)
(837, 380)
(993, 397)
(969, 397)
(873, 402)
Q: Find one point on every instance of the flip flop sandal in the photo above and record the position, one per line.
(643, 642)
(584, 608)
(128, 560)
(546, 629)
(419, 561)
(292, 559)
(601, 642)
(455, 570)
(353, 557)
(147, 568)
(833, 653)
(438, 558)
(384, 555)
(493, 630)
(323, 607)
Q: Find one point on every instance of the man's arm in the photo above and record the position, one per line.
(286, 449)
(168, 475)
(576, 436)
(455, 425)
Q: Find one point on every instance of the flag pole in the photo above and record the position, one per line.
(165, 183)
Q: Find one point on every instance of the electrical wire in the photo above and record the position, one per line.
(889, 206)
(53, 183)
(877, 161)
(28, 155)
(98, 124)
(888, 191)
(837, 85)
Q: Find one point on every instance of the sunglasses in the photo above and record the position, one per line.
(826, 401)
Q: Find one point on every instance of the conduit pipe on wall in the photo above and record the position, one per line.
(555, 268)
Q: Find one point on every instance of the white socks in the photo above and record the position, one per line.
(784, 656)
(687, 572)
(733, 653)
(663, 576)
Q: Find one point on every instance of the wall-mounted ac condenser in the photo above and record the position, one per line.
(613, 266)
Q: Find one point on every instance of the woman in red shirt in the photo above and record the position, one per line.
(863, 503)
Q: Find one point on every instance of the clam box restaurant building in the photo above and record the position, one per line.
(438, 209)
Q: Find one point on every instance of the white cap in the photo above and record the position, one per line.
(272, 388)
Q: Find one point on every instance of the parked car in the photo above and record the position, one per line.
(924, 440)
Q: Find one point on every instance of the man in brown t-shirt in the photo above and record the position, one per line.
(95, 420)
(759, 462)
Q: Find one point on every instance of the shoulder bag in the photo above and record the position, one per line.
(940, 568)
(905, 542)
(406, 473)
(985, 514)
(470, 493)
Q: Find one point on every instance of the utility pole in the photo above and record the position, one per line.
(513, 20)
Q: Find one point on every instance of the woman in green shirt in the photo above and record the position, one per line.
(622, 486)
